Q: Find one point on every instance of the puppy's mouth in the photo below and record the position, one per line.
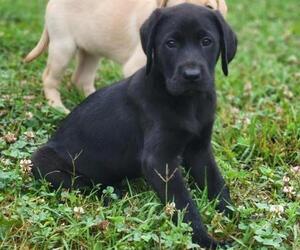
(190, 92)
(187, 88)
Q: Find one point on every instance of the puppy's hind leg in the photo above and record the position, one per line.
(49, 166)
(60, 54)
(84, 75)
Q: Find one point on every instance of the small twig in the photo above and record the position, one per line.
(73, 166)
(166, 180)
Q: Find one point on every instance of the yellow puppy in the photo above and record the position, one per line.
(93, 29)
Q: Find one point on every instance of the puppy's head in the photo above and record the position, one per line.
(183, 43)
(219, 5)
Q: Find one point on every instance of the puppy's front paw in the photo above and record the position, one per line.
(207, 242)
(224, 207)
(224, 203)
(220, 245)
(226, 243)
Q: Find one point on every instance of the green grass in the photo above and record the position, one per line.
(256, 143)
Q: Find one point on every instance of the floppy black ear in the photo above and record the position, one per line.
(147, 33)
(228, 41)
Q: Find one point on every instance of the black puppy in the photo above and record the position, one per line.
(144, 123)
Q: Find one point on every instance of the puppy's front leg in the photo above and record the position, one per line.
(199, 159)
(170, 186)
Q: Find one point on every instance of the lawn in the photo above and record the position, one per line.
(256, 142)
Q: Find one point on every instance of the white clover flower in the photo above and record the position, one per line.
(246, 121)
(286, 179)
(287, 93)
(170, 208)
(278, 209)
(78, 211)
(29, 135)
(28, 97)
(234, 110)
(287, 189)
(10, 137)
(26, 166)
(28, 115)
(296, 169)
(5, 162)
(279, 110)
(248, 88)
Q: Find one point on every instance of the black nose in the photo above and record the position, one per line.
(191, 73)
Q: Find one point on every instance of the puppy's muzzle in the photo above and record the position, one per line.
(191, 73)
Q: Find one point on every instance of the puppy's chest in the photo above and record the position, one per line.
(194, 119)
(191, 118)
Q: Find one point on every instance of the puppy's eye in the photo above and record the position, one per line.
(171, 44)
(209, 6)
(206, 41)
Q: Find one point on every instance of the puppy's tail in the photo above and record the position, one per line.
(39, 48)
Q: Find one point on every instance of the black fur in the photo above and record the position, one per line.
(164, 111)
